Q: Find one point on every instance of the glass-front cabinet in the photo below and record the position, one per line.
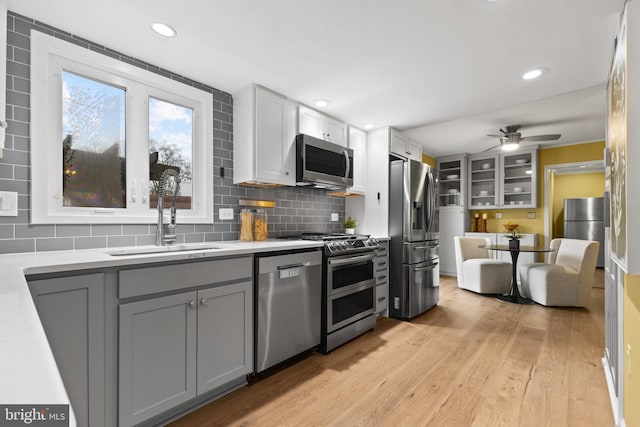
(519, 181)
(503, 180)
(452, 173)
(484, 170)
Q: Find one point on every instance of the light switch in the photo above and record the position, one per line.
(225, 213)
(335, 216)
(8, 203)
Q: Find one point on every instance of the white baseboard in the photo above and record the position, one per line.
(612, 393)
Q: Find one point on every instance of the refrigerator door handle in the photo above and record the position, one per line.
(426, 267)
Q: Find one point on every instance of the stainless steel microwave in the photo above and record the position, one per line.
(323, 162)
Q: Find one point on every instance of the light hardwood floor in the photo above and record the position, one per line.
(470, 361)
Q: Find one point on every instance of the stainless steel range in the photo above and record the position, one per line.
(348, 287)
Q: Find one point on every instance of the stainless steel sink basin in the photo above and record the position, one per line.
(162, 249)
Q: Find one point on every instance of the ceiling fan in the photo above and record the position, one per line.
(510, 138)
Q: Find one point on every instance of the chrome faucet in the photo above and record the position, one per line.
(170, 237)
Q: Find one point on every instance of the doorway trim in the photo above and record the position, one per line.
(594, 166)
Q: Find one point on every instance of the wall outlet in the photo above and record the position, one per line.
(335, 216)
(225, 213)
(531, 215)
(498, 215)
(8, 203)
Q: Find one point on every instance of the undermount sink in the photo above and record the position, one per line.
(161, 249)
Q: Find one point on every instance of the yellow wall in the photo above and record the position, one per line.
(632, 337)
(570, 186)
(431, 161)
(546, 156)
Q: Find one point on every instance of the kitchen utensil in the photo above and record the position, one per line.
(453, 176)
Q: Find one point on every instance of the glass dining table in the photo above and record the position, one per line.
(514, 295)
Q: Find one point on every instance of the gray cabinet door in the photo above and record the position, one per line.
(72, 313)
(225, 334)
(157, 356)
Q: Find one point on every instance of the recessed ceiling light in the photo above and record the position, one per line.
(534, 74)
(322, 103)
(165, 30)
(369, 126)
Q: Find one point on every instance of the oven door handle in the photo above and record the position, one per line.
(416, 248)
(351, 260)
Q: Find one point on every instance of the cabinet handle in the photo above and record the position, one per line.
(286, 173)
(203, 301)
(192, 304)
(382, 298)
(382, 277)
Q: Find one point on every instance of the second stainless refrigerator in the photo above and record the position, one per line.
(414, 273)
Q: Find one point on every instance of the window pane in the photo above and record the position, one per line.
(170, 147)
(93, 143)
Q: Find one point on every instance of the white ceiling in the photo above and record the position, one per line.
(446, 71)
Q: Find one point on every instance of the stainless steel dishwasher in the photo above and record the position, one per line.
(288, 305)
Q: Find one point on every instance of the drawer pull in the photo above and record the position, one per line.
(382, 299)
(382, 277)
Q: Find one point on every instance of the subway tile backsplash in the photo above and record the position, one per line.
(298, 209)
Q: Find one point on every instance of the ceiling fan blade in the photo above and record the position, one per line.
(492, 148)
(495, 136)
(552, 137)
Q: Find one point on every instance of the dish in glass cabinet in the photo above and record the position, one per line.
(453, 176)
(486, 166)
(520, 161)
(453, 191)
(517, 189)
(483, 193)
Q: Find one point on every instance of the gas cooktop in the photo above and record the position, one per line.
(339, 243)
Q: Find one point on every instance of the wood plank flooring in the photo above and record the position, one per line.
(470, 361)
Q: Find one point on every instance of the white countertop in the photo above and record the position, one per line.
(28, 372)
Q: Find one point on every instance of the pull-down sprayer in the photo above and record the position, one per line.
(170, 237)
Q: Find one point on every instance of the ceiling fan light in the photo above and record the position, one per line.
(509, 146)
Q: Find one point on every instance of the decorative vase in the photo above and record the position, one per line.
(514, 244)
(349, 231)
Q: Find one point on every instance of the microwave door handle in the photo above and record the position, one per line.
(346, 159)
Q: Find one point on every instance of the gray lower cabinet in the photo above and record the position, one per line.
(225, 335)
(176, 347)
(71, 310)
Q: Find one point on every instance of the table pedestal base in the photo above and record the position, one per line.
(516, 299)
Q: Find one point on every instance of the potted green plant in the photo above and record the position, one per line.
(350, 225)
(513, 236)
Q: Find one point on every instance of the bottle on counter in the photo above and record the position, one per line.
(246, 224)
(260, 224)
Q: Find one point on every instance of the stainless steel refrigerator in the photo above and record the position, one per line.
(584, 219)
(414, 273)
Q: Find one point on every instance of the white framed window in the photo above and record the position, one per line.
(103, 132)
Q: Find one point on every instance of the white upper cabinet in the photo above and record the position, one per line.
(503, 180)
(484, 170)
(402, 146)
(358, 143)
(519, 180)
(311, 122)
(264, 128)
(452, 177)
